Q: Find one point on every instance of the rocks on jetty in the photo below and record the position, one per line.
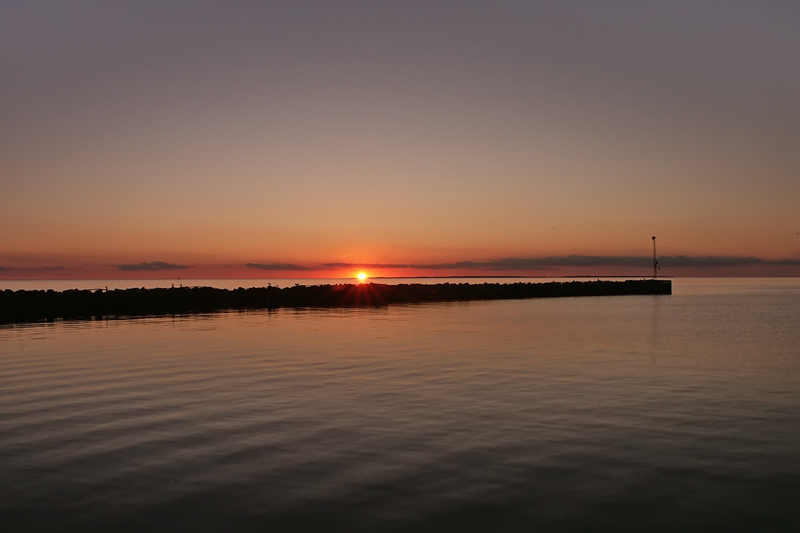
(28, 306)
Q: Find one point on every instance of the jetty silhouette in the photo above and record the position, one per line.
(38, 305)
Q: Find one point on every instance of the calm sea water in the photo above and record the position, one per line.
(637, 413)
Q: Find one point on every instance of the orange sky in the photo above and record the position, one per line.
(213, 135)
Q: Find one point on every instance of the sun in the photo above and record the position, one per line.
(361, 276)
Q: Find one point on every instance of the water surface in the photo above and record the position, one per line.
(638, 413)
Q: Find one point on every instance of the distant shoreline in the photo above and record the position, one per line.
(39, 305)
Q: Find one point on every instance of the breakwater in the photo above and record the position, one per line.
(31, 306)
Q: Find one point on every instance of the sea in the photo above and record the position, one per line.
(616, 413)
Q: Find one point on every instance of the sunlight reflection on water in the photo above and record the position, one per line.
(577, 413)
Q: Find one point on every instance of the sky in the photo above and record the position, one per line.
(315, 139)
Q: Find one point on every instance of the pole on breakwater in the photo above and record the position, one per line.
(656, 268)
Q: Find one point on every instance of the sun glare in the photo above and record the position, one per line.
(361, 276)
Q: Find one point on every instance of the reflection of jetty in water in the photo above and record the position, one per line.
(27, 306)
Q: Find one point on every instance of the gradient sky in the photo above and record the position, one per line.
(139, 137)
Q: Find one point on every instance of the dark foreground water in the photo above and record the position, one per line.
(638, 413)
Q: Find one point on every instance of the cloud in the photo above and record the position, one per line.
(547, 263)
(714, 261)
(155, 265)
(509, 263)
(2, 268)
(277, 266)
(550, 263)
